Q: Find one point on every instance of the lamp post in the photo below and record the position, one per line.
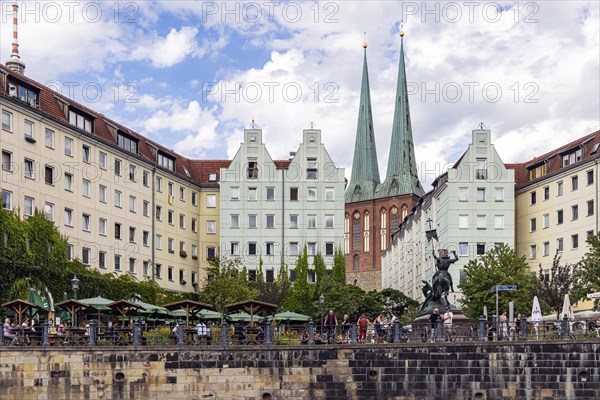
(322, 301)
(75, 286)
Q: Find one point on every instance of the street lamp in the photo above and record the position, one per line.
(75, 285)
(322, 301)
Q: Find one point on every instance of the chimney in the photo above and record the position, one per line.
(14, 63)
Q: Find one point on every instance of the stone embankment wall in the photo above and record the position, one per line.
(482, 371)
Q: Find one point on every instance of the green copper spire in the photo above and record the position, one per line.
(401, 177)
(365, 172)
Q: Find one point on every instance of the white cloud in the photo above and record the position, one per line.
(167, 51)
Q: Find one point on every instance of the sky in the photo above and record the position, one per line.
(192, 75)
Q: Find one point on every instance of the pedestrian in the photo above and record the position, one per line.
(330, 323)
(518, 326)
(363, 325)
(434, 318)
(345, 328)
(448, 316)
(378, 328)
(503, 326)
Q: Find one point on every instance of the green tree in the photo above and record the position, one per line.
(587, 271)
(499, 266)
(338, 272)
(300, 294)
(320, 274)
(551, 291)
(227, 283)
(395, 302)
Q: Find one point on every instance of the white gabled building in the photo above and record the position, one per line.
(271, 208)
(471, 209)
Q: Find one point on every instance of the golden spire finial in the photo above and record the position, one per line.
(365, 41)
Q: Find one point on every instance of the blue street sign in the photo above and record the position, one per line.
(503, 287)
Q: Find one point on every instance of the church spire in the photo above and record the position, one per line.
(401, 177)
(365, 172)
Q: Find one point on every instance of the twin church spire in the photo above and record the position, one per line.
(401, 176)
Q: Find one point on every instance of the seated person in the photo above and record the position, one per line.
(304, 338)
(8, 333)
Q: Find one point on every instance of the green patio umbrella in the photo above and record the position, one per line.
(291, 316)
(209, 314)
(149, 308)
(99, 303)
(244, 317)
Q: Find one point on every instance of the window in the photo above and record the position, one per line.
(170, 273)
(68, 217)
(572, 157)
(499, 222)
(590, 207)
(252, 194)
(212, 177)
(574, 183)
(68, 147)
(463, 194)
(211, 253)
(28, 131)
(117, 198)
(311, 249)
(132, 204)
(311, 221)
(29, 169)
(69, 252)
(533, 196)
(80, 121)
(574, 212)
(118, 167)
(7, 200)
(86, 187)
(293, 194)
(329, 194)
(574, 241)
(145, 238)
(328, 221)
(158, 271)
(481, 171)
(559, 244)
(49, 211)
(269, 248)
(145, 268)
(532, 225)
(194, 198)
(252, 221)
(270, 221)
(85, 153)
(481, 222)
(234, 221)
(145, 178)
(312, 194)
(356, 232)
(356, 263)
(7, 161)
(211, 227)
(85, 222)
(181, 193)
(171, 245)
(589, 233)
(132, 171)
(182, 277)
(194, 225)
(270, 193)
(480, 249)
(559, 217)
(311, 168)
(559, 188)
(293, 221)
(182, 247)
(146, 208)
(590, 177)
(170, 216)
(166, 161)
(251, 248)
(480, 194)
(127, 143)
(29, 206)
(102, 160)
(49, 138)
(68, 182)
(463, 249)
(252, 168)
(102, 226)
(85, 256)
(293, 249)
(158, 184)
(211, 201)
(6, 121)
(117, 230)
(545, 221)
(546, 193)
(101, 259)
(533, 252)
(158, 213)
(158, 242)
(329, 249)
(234, 248)
(234, 193)
(49, 175)
(546, 249)
(463, 221)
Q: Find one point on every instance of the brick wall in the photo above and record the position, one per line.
(549, 370)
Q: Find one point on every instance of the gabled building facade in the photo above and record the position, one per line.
(374, 209)
(470, 210)
(271, 209)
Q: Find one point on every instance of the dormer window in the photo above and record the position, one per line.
(212, 177)
(187, 173)
(311, 168)
(572, 158)
(252, 168)
(26, 94)
(536, 172)
(80, 120)
(127, 143)
(165, 161)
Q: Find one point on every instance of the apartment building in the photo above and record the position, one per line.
(470, 210)
(270, 209)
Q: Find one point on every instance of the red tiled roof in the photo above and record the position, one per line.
(282, 164)
(201, 169)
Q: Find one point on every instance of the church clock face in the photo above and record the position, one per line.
(356, 215)
(394, 210)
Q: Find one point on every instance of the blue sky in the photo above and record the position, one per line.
(528, 70)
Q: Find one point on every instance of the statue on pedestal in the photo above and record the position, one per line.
(436, 294)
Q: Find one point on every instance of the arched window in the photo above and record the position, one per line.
(355, 263)
(394, 222)
(366, 228)
(404, 211)
(347, 233)
(383, 224)
(356, 232)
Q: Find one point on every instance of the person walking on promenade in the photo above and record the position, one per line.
(330, 323)
(448, 315)
(434, 318)
(345, 328)
(363, 325)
